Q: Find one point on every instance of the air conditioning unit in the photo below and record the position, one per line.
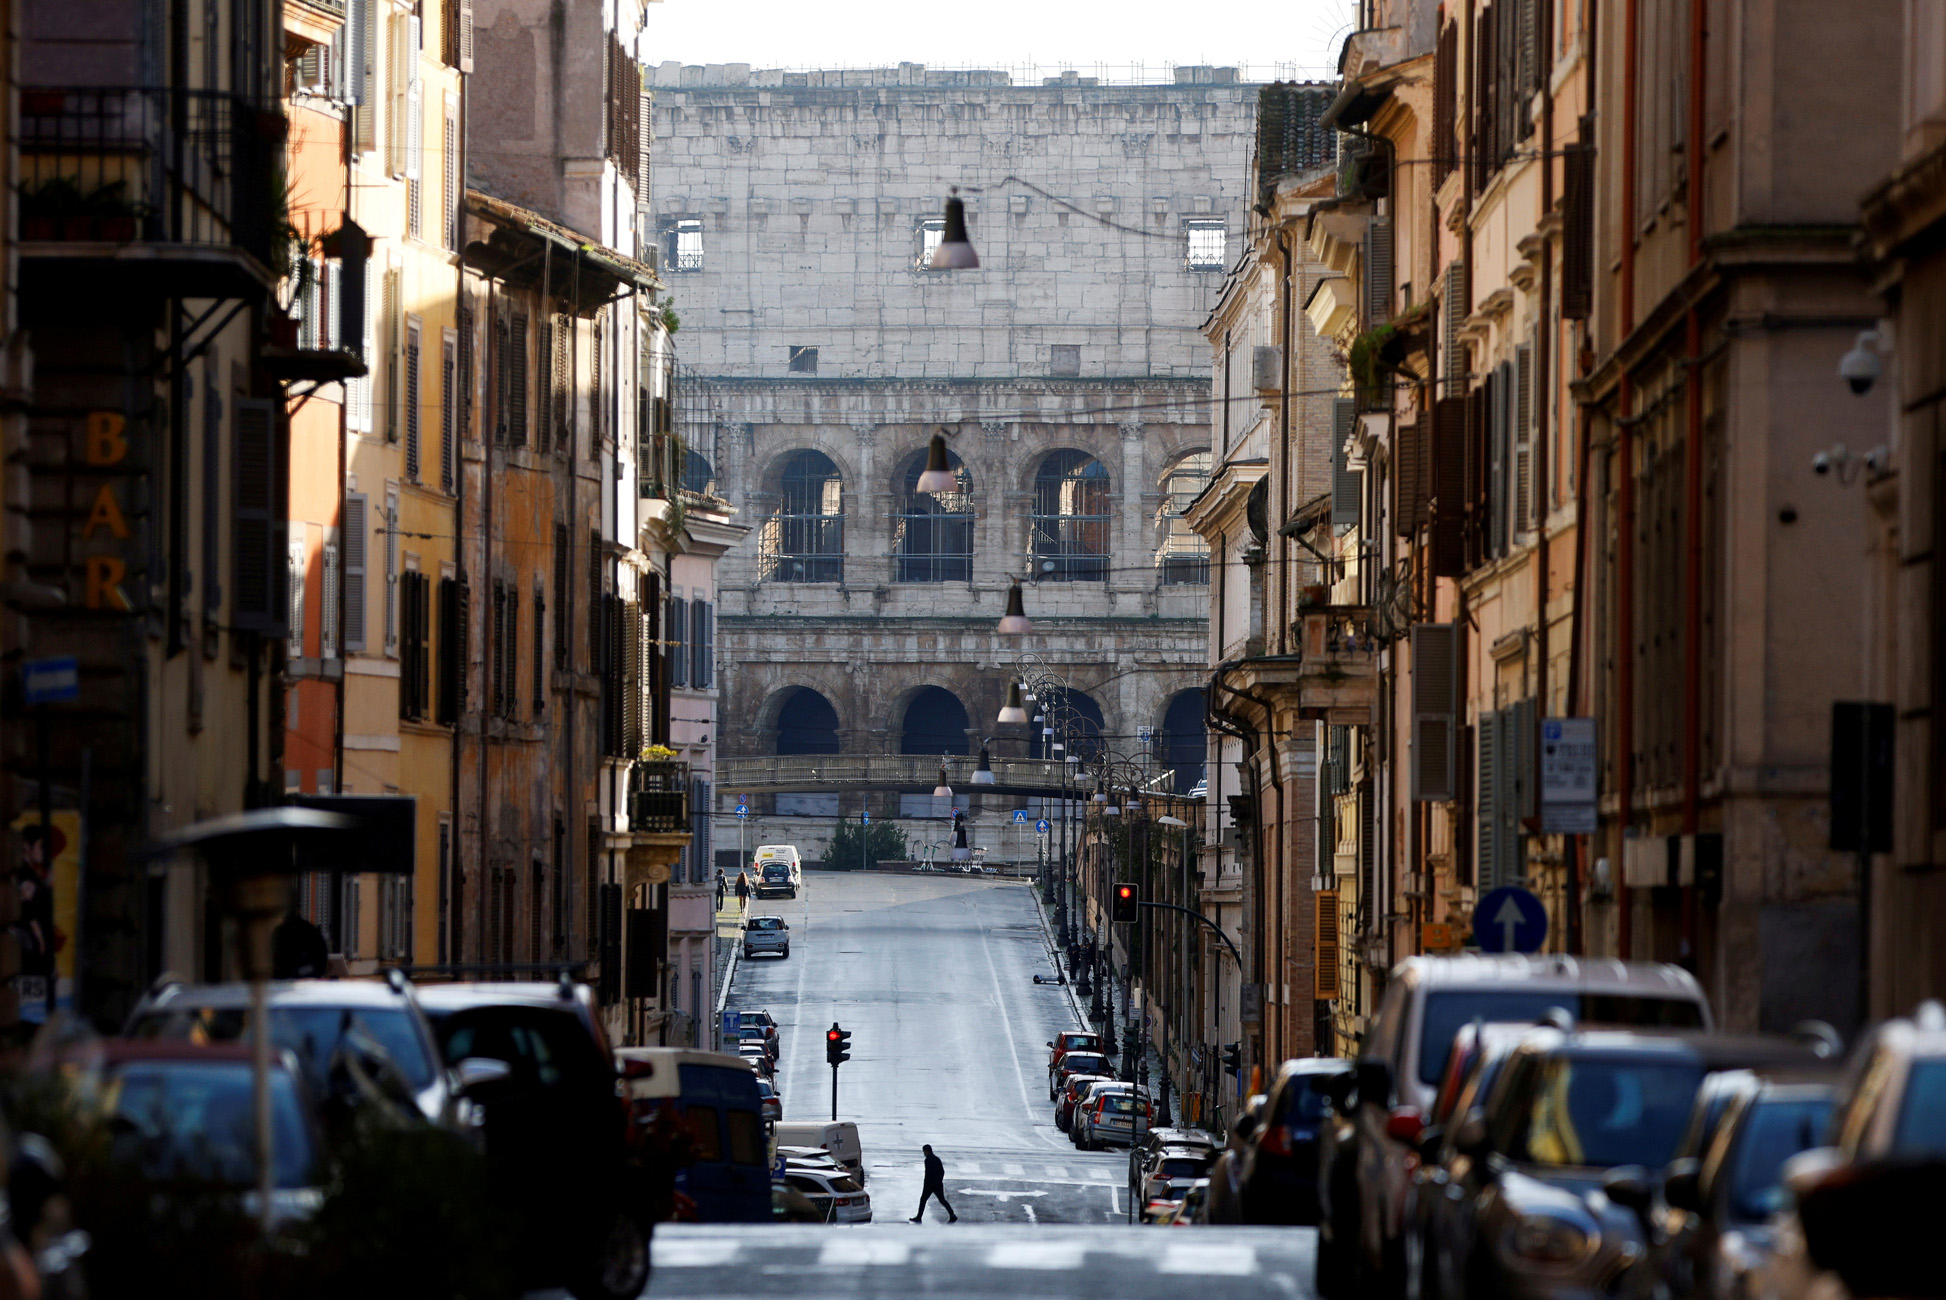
(1267, 368)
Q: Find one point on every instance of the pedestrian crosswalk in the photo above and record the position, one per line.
(1105, 1173)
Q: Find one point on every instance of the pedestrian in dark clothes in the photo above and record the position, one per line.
(935, 1186)
(722, 888)
(743, 892)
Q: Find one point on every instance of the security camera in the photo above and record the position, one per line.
(1821, 463)
(1861, 366)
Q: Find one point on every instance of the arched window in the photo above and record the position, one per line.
(1071, 519)
(933, 531)
(1183, 744)
(1181, 555)
(697, 476)
(807, 724)
(1075, 719)
(935, 723)
(804, 541)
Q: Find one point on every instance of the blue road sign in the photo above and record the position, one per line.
(1020, 816)
(743, 809)
(50, 681)
(729, 1025)
(1509, 920)
(1042, 826)
(865, 817)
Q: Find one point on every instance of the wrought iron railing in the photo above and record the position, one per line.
(811, 773)
(658, 797)
(132, 165)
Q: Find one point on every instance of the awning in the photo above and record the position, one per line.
(575, 267)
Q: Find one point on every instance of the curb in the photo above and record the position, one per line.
(1054, 954)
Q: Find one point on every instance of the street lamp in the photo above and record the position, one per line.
(955, 251)
(1014, 622)
(939, 476)
(1012, 710)
(942, 790)
(983, 774)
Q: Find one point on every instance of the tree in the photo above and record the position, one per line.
(882, 842)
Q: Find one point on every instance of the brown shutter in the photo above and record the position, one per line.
(1325, 963)
(1578, 231)
(517, 382)
(562, 559)
(1445, 103)
(1405, 479)
(1449, 487)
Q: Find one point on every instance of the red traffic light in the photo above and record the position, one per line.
(1126, 891)
(831, 1035)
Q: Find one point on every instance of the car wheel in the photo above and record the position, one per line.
(785, 953)
(620, 1269)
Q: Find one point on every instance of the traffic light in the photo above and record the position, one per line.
(1128, 905)
(1233, 1059)
(837, 1045)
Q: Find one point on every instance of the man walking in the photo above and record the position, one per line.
(935, 1186)
(722, 888)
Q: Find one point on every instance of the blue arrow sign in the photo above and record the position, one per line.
(743, 810)
(865, 817)
(1042, 826)
(1509, 920)
(1020, 816)
(50, 681)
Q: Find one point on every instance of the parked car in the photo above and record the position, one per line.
(182, 1112)
(1426, 1002)
(773, 1104)
(1866, 1206)
(1192, 1210)
(557, 1139)
(761, 1019)
(778, 877)
(1078, 1062)
(839, 1138)
(1534, 1203)
(1069, 1040)
(1276, 1164)
(1070, 1097)
(1714, 1218)
(1225, 1199)
(766, 934)
(758, 1059)
(357, 1042)
(1169, 1175)
(1085, 1099)
(753, 1036)
(836, 1193)
(1111, 1114)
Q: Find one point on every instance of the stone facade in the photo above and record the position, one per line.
(794, 219)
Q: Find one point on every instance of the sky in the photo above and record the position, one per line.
(1270, 37)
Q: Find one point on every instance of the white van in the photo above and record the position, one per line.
(778, 871)
(839, 1137)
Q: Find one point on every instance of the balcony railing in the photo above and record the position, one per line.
(133, 166)
(658, 797)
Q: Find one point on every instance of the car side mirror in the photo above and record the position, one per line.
(1682, 1185)
(1374, 1082)
(1050, 1042)
(479, 1072)
(1629, 1187)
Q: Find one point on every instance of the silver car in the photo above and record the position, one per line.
(766, 935)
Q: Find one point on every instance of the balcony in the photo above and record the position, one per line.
(156, 193)
(658, 798)
(1337, 677)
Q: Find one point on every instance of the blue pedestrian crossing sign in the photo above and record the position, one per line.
(1042, 826)
(1509, 920)
(1020, 816)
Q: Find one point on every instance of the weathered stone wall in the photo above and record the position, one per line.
(813, 200)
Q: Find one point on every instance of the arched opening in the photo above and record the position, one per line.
(1181, 555)
(933, 531)
(804, 540)
(935, 723)
(1071, 518)
(806, 724)
(1075, 719)
(697, 476)
(1184, 742)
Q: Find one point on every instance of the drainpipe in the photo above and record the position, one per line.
(1625, 494)
(1541, 489)
(1692, 687)
(1285, 307)
(455, 901)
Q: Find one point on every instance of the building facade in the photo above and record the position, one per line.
(796, 215)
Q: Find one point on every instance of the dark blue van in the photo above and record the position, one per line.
(716, 1099)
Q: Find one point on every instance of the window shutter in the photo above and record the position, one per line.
(1525, 381)
(358, 305)
(357, 544)
(517, 382)
(497, 650)
(644, 139)
(415, 120)
(1435, 711)
(1578, 231)
(1456, 309)
(361, 56)
(449, 231)
(1445, 102)
(328, 604)
(698, 618)
(422, 619)
(463, 408)
(708, 659)
(447, 711)
(678, 629)
(462, 646)
(448, 401)
(510, 689)
(544, 430)
(597, 639)
(1405, 479)
(1325, 960)
(1487, 818)
(394, 77)
(642, 962)
(466, 35)
(563, 384)
(1378, 271)
(391, 571)
(410, 398)
(1345, 481)
(1448, 507)
(1525, 799)
(258, 600)
(392, 319)
(656, 665)
(540, 649)
(631, 646)
(1499, 427)
(562, 560)
(294, 622)
(1531, 64)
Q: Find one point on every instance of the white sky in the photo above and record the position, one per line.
(1270, 37)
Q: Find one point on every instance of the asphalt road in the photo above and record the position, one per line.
(933, 976)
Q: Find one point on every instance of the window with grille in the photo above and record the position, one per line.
(540, 649)
(514, 413)
(1071, 520)
(683, 244)
(1182, 556)
(1207, 242)
(410, 396)
(932, 532)
(415, 645)
(448, 406)
(803, 541)
(803, 360)
(932, 233)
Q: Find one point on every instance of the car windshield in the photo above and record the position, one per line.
(1922, 1117)
(1606, 1111)
(544, 1048)
(1075, 1042)
(1446, 1012)
(1083, 1063)
(314, 1033)
(1183, 1167)
(1773, 1132)
(1304, 1100)
(191, 1120)
(1117, 1103)
(777, 871)
(766, 923)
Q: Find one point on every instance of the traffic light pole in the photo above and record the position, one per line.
(834, 1093)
